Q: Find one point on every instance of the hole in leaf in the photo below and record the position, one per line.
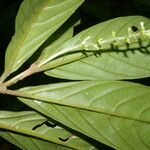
(134, 28)
(63, 139)
(37, 126)
(50, 124)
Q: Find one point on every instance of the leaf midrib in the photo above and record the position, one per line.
(35, 18)
(87, 109)
(31, 96)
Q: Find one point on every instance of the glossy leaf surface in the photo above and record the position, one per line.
(63, 34)
(115, 113)
(35, 22)
(115, 49)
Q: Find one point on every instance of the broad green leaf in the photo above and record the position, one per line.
(113, 112)
(63, 34)
(113, 58)
(58, 38)
(26, 143)
(35, 22)
(28, 129)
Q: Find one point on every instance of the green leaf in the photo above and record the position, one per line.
(108, 55)
(59, 37)
(26, 143)
(28, 129)
(113, 112)
(63, 34)
(35, 22)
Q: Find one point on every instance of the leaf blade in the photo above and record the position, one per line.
(33, 26)
(62, 35)
(109, 62)
(30, 142)
(31, 127)
(111, 116)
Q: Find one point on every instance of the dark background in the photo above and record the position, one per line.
(91, 13)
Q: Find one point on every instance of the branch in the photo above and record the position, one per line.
(31, 70)
(86, 43)
(4, 76)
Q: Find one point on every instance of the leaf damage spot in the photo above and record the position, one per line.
(47, 123)
(37, 126)
(134, 28)
(63, 139)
